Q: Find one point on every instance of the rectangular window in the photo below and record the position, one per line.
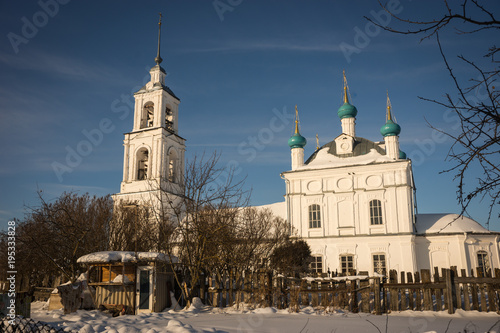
(379, 264)
(483, 262)
(375, 212)
(317, 265)
(346, 263)
(314, 216)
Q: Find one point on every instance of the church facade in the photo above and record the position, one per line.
(353, 201)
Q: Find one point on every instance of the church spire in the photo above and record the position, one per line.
(389, 107)
(296, 120)
(158, 59)
(346, 99)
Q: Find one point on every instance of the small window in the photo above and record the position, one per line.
(172, 168)
(148, 115)
(317, 264)
(379, 265)
(375, 212)
(169, 123)
(346, 263)
(483, 262)
(142, 164)
(314, 216)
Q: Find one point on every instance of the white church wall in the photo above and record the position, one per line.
(399, 252)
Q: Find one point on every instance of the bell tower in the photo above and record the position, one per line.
(153, 151)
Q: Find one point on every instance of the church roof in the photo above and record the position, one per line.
(364, 152)
(164, 87)
(447, 223)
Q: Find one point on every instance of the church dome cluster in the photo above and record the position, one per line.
(351, 145)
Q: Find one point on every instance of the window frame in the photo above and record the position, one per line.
(316, 266)
(346, 270)
(484, 262)
(384, 261)
(376, 215)
(314, 214)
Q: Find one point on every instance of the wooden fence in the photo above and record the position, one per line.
(420, 291)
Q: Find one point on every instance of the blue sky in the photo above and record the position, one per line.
(239, 71)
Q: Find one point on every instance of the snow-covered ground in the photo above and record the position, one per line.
(205, 319)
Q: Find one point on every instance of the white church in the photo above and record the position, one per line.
(352, 200)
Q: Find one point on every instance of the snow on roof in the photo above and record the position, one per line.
(447, 223)
(123, 256)
(324, 159)
(278, 208)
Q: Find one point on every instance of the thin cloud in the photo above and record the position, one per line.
(237, 46)
(56, 64)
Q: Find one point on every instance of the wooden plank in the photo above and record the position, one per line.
(475, 302)
(457, 295)
(365, 296)
(491, 298)
(393, 291)
(437, 292)
(376, 292)
(411, 303)
(418, 296)
(314, 293)
(426, 279)
(445, 294)
(449, 291)
(465, 288)
(354, 296)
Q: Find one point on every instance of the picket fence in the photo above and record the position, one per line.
(419, 291)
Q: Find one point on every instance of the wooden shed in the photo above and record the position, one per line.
(133, 281)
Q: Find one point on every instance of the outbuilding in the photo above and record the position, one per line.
(132, 282)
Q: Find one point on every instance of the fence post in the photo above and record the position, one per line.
(449, 290)
(354, 296)
(376, 294)
(394, 302)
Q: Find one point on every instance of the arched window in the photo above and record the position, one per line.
(172, 166)
(483, 263)
(148, 115)
(169, 119)
(375, 212)
(314, 216)
(142, 164)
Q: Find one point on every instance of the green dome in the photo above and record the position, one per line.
(347, 111)
(390, 128)
(402, 155)
(297, 141)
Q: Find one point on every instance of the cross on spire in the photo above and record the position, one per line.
(158, 59)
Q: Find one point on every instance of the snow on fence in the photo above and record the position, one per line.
(420, 291)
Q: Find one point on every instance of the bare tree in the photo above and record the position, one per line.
(55, 234)
(204, 221)
(475, 151)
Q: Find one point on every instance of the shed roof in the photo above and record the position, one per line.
(124, 257)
